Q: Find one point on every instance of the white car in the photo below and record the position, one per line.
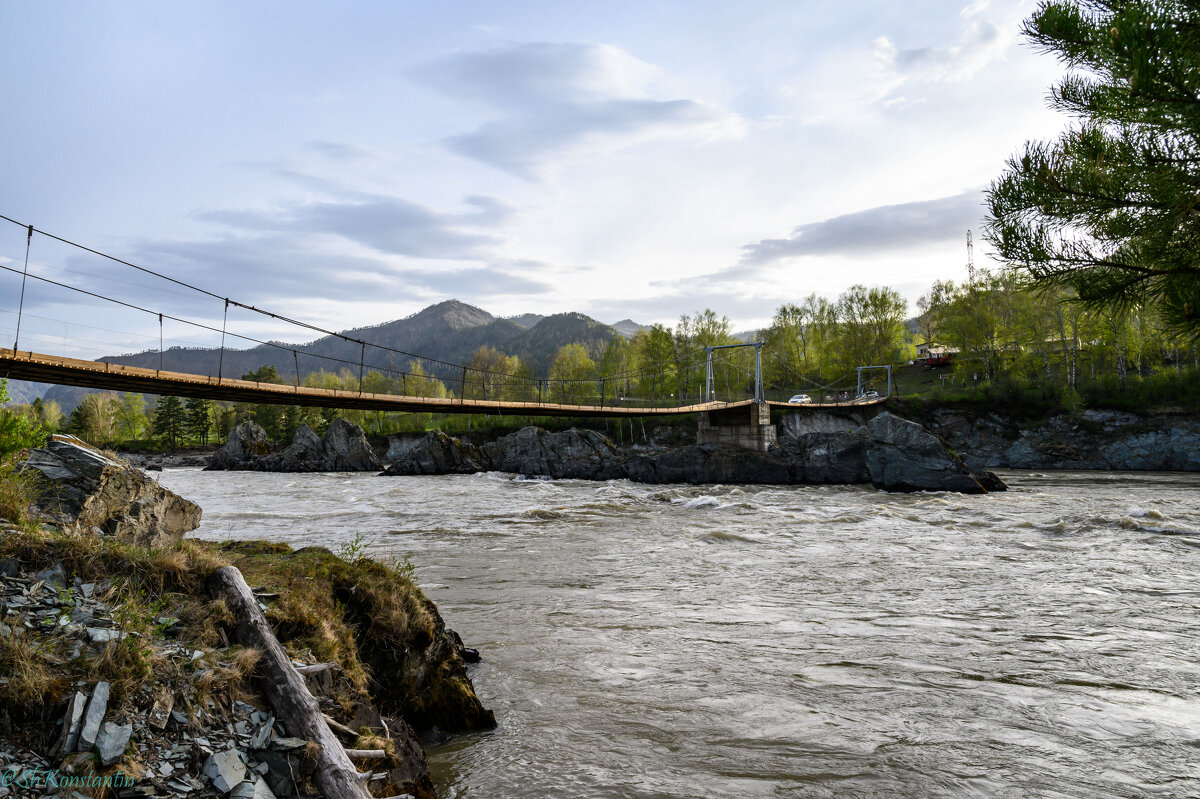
(800, 398)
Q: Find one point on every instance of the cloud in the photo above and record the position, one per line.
(385, 224)
(478, 282)
(980, 40)
(338, 151)
(299, 252)
(547, 99)
(882, 229)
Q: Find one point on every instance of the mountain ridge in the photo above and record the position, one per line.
(448, 332)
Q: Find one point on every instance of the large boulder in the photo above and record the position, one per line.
(85, 487)
(582, 454)
(343, 449)
(347, 449)
(903, 456)
(306, 453)
(246, 443)
(435, 453)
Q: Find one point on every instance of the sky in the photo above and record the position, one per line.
(353, 163)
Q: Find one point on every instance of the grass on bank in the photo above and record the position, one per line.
(357, 614)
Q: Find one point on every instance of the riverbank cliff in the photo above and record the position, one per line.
(122, 664)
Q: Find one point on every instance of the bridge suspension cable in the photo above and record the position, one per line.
(227, 302)
(684, 363)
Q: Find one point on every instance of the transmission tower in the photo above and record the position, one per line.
(970, 259)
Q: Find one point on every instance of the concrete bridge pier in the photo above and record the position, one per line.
(748, 427)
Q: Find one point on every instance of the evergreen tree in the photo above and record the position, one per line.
(1109, 210)
(169, 420)
(198, 418)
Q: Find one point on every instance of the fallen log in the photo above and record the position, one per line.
(284, 689)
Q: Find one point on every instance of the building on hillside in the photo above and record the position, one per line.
(933, 354)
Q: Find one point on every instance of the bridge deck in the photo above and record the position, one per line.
(38, 367)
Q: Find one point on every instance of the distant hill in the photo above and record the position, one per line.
(537, 345)
(629, 328)
(450, 331)
(21, 391)
(526, 320)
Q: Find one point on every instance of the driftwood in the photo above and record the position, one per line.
(284, 689)
(317, 668)
(338, 727)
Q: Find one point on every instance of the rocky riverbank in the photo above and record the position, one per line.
(120, 667)
(889, 452)
(1089, 439)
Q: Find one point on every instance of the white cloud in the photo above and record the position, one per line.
(547, 99)
(981, 39)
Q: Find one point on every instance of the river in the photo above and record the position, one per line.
(732, 641)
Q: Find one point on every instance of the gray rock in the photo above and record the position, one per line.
(434, 453)
(827, 458)
(55, 577)
(246, 442)
(252, 789)
(225, 769)
(826, 420)
(579, 454)
(112, 742)
(72, 725)
(903, 456)
(304, 454)
(87, 488)
(102, 635)
(97, 706)
(10, 567)
(343, 449)
(282, 770)
(347, 449)
(1091, 439)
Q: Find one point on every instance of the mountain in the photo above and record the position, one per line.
(450, 332)
(21, 391)
(526, 320)
(537, 345)
(629, 328)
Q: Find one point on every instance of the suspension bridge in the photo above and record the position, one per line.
(606, 396)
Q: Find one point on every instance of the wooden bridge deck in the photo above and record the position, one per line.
(38, 367)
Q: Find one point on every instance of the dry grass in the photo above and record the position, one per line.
(222, 684)
(202, 621)
(31, 679)
(332, 610)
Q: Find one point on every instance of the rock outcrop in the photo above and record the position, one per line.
(834, 458)
(890, 453)
(246, 442)
(84, 487)
(1090, 439)
(903, 456)
(435, 453)
(347, 448)
(531, 451)
(344, 448)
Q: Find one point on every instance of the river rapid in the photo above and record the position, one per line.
(734, 641)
